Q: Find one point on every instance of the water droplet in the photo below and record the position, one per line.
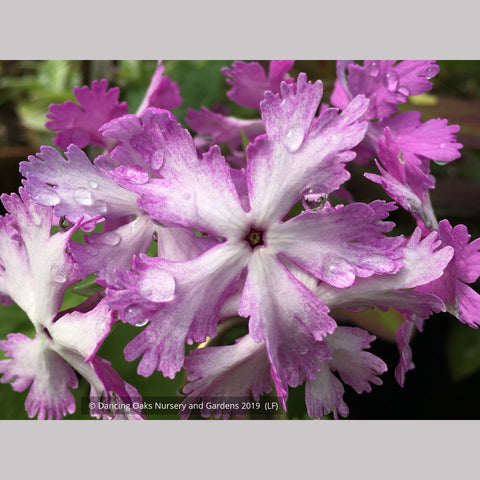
(46, 197)
(135, 174)
(373, 69)
(141, 323)
(157, 161)
(133, 314)
(294, 138)
(443, 145)
(93, 184)
(415, 205)
(83, 197)
(37, 220)
(313, 199)
(336, 267)
(404, 91)
(430, 72)
(59, 278)
(303, 350)
(101, 206)
(453, 310)
(390, 80)
(111, 239)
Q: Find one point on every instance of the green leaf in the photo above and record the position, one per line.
(245, 140)
(13, 319)
(383, 325)
(87, 289)
(463, 351)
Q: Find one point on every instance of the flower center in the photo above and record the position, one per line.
(254, 238)
(47, 333)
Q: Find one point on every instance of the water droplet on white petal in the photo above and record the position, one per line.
(404, 91)
(373, 69)
(430, 72)
(48, 198)
(37, 220)
(83, 197)
(313, 199)
(141, 323)
(60, 278)
(336, 266)
(293, 138)
(133, 314)
(390, 80)
(111, 239)
(101, 206)
(93, 184)
(135, 174)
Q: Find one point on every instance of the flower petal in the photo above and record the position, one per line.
(74, 186)
(403, 336)
(36, 270)
(339, 244)
(128, 240)
(139, 140)
(114, 390)
(34, 365)
(383, 82)
(287, 315)
(356, 368)
(423, 263)
(187, 312)
(324, 395)
(161, 93)
(249, 81)
(218, 128)
(227, 374)
(195, 193)
(299, 151)
(83, 332)
(451, 287)
(79, 124)
(434, 139)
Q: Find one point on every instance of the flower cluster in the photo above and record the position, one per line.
(267, 234)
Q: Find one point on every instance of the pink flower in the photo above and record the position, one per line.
(464, 268)
(252, 242)
(79, 124)
(36, 269)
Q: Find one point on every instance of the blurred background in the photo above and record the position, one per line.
(446, 381)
